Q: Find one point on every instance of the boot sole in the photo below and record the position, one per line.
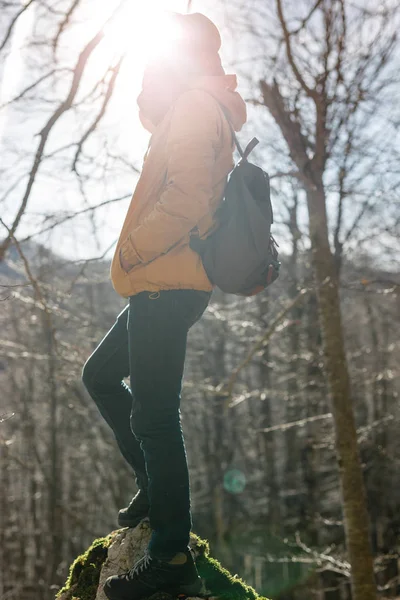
(131, 522)
(194, 589)
(184, 591)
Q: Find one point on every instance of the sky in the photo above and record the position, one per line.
(140, 29)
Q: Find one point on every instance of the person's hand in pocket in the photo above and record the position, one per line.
(127, 264)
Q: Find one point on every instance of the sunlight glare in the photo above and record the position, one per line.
(140, 32)
(143, 32)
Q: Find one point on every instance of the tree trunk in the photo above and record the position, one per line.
(356, 520)
(268, 444)
(5, 493)
(316, 403)
(292, 440)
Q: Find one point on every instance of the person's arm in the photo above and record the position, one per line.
(191, 148)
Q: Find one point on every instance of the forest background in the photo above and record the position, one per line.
(266, 406)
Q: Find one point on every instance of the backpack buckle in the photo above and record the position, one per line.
(270, 274)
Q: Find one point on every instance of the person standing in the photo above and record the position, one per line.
(184, 103)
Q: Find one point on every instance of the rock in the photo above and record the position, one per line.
(127, 547)
(121, 549)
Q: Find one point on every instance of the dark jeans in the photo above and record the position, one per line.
(148, 341)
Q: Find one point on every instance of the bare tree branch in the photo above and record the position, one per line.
(34, 85)
(45, 132)
(64, 23)
(308, 17)
(34, 283)
(75, 214)
(296, 141)
(13, 23)
(260, 344)
(106, 100)
(299, 423)
(309, 91)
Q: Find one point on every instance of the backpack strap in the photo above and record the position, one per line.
(244, 154)
(250, 147)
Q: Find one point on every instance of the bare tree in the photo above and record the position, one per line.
(327, 81)
(62, 81)
(326, 72)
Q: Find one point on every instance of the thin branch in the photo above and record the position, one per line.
(33, 281)
(6, 417)
(280, 174)
(310, 92)
(365, 207)
(33, 85)
(45, 132)
(300, 423)
(12, 187)
(258, 346)
(13, 22)
(74, 215)
(107, 98)
(344, 566)
(321, 101)
(304, 21)
(290, 127)
(343, 172)
(86, 263)
(341, 47)
(64, 23)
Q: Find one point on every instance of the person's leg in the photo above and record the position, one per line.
(157, 329)
(158, 326)
(103, 376)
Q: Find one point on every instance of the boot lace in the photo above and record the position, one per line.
(143, 565)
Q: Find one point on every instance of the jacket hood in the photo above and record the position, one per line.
(223, 89)
(154, 105)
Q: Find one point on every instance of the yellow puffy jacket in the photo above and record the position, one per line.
(180, 188)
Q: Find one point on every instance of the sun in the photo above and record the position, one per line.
(142, 29)
(137, 32)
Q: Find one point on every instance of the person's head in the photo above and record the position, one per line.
(193, 53)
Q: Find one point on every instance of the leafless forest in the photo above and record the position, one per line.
(290, 404)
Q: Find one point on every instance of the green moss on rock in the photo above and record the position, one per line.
(83, 579)
(84, 573)
(218, 580)
(202, 547)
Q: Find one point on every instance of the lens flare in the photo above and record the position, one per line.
(234, 481)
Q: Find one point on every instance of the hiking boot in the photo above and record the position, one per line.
(179, 576)
(136, 511)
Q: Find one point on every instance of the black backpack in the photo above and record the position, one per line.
(241, 256)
